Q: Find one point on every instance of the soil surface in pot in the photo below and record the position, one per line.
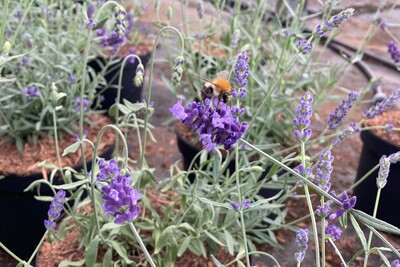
(392, 116)
(26, 164)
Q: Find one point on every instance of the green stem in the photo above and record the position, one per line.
(56, 143)
(365, 176)
(261, 107)
(9, 252)
(121, 72)
(142, 246)
(292, 172)
(37, 248)
(3, 22)
(146, 116)
(238, 183)
(338, 251)
(310, 208)
(378, 195)
(322, 234)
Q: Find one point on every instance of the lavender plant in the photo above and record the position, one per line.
(50, 53)
(162, 220)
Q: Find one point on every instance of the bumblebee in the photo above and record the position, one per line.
(219, 87)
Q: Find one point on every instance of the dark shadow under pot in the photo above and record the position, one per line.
(373, 149)
(21, 226)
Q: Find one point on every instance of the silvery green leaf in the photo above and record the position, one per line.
(214, 238)
(359, 232)
(71, 148)
(46, 164)
(374, 222)
(71, 263)
(216, 262)
(91, 251)
(101, 24)
(70, 186)
(183, 247)
(107, 258)
(213, 203)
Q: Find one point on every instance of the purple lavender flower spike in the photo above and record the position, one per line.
(394, 51)
(241, 69)
(55, 210)
(216, 122)
(353, 128)
(383, 105)
(301, 243)
(323, 171)
(31, 92)
(303, 118)
(333, 22)
(120, 199)
(336, 118)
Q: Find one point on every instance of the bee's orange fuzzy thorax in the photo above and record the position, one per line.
(222, 84)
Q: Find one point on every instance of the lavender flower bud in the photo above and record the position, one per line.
(31, 92)
(170, 12)
(178, 70)
(235, 38)
(6, 47)
(138, 80)
(347, 204)
(336, 118)
(120, 25)
(395, 263)
(200, 9)
(384, 165)
(90, 10)
(235, 206)
(78, 104)
(394, 51)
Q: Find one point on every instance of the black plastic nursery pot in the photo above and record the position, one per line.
(21, 226)
(373, 149)
(128, 90)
